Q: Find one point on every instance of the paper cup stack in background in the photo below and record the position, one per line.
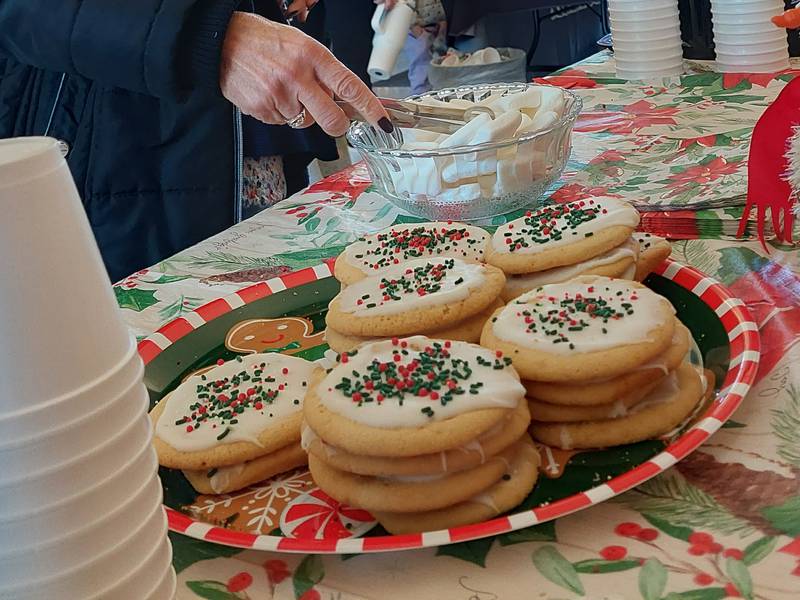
(745, 39)
(647, 38)
(80, 499)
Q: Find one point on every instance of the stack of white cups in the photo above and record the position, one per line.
(746, 41)
(80, 500)
(647, 38)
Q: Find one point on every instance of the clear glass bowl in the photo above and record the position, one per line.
(464, 183)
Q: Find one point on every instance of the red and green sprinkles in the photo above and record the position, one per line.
(432, 373)
(416, 281)
(573, 313)
(221, 402)
(399, 245)
(551, 223)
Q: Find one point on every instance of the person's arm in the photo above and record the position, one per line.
(163, 48)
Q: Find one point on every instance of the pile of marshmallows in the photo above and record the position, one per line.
(484, 173)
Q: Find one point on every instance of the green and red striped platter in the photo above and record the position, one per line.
(311, 522)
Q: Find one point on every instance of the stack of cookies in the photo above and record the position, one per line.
(425, 434)
(236, 424)
(559, 242)
(441, 297)
(653, 250)
(603, 361)
(375, 253)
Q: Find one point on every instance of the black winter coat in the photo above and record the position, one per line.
(132, 88)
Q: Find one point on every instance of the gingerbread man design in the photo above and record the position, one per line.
(287, 335)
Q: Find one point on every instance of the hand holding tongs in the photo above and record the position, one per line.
(414, 115)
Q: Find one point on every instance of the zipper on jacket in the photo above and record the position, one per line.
(238, 165)
(55, 104)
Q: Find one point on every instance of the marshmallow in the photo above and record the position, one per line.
(543, 120)
(552, 99)
(526, 102)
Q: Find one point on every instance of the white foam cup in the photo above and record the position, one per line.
(47, 249)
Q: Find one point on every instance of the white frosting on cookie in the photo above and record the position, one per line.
(221, 477)
(234, 402)
(559, 225)
(587, 314)
(417, 284)
(415, 381)
(375, 253)
(630, 249)
(648, 240)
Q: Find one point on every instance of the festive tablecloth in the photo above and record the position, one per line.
(725, 522)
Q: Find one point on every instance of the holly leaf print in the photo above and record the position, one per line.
(676, 531)
(308, 574)
(187, 551)
(652, 579)
(715, 593)
(474, 552)
(211, 590)
(759, 550)
(785, 517)
(135, 299)
(599, 565)
(740, 577)
(552, 564)
(546, 532)
(164, 279)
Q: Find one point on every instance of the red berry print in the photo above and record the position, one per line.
(627, 529)
(698, 550)
(311, 594)
(699, 537)
(715, 548)
(240, 581)
(733, 553)
(276, 570)
(703, 579)
(647, 535)
(731, 590)
(614, 552)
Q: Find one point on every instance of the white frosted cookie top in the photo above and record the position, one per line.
(234, 402)
(587, 314)
(374, 253)
(647, 240)
(562, 224)
(414, 381)
(559, 274)
(419, 283)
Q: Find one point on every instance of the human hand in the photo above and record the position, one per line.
(274, 72)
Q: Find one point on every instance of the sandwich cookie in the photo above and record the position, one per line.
(674, 399)
(412, 396)
(420, 295)
(240, 410)
(468, 330)
(586, 329)
(375, 253)
(509, 491)
(619, 262)
(561, 234)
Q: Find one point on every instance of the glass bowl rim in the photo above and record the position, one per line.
(567, 119)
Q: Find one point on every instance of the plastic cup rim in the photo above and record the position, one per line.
(130, 355)
(79, 422)
(80, 496)
(135, 422)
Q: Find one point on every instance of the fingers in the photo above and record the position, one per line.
(346, 85)
(324, 110)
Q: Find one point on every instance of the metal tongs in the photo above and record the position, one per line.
(414, 115)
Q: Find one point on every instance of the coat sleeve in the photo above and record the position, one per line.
(165, 48)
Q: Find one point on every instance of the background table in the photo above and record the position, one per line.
(664, 147)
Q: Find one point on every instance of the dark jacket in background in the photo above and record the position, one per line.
(132, 87)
